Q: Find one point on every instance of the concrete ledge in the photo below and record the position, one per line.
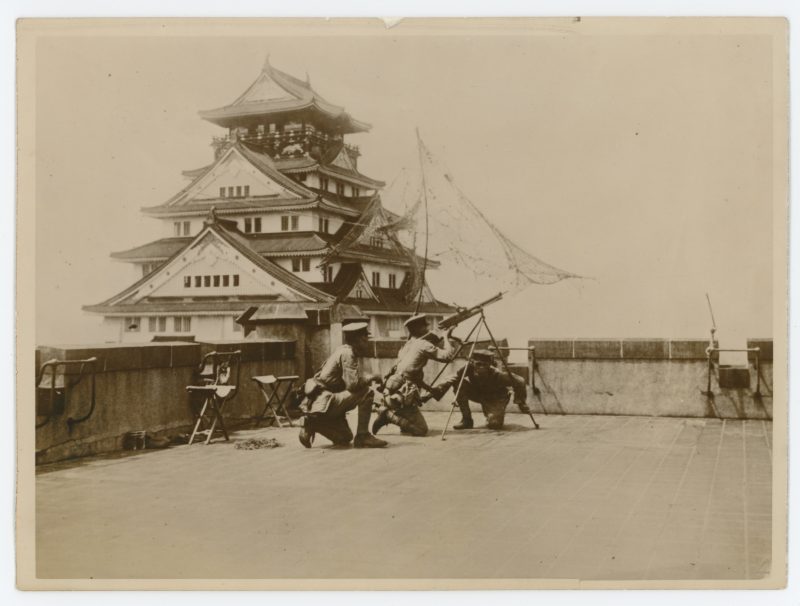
(254, 350)
(688, 349)
(631, 349)
(645, 349)
(114, 357)
(552, 349)
(598, 349)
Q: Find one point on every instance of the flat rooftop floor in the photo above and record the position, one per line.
(584, 497)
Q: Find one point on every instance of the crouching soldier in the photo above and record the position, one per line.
(402, 397)
(338, 388)
(486, 385)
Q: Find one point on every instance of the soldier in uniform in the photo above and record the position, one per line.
(486, 385)
(402, 397)
(338, 388)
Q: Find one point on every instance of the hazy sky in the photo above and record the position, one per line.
(644, 162)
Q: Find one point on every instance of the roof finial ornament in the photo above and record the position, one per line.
(212, 215)
(266, 66)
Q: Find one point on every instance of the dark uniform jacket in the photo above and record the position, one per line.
(494, 385)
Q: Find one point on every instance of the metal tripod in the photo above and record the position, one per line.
(476, 330)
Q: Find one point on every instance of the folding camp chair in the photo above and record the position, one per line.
(217, 371)
(274, 396)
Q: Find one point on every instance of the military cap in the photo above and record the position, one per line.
(483, 355)
(354, 328)
(415, 319)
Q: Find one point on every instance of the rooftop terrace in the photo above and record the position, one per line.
(586, 497)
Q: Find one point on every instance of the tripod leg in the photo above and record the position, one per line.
(464, 373)
(503, 360)
(458, 351)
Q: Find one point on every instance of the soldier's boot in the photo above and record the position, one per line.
(366, 440)
(307, 433)
(381, 421)
(387, 416)
(466, 423)
(466, 417)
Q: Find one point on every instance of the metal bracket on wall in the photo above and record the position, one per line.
(55, 387)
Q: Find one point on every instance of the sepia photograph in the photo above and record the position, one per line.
(402, 304)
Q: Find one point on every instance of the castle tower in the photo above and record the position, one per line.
(286, 194)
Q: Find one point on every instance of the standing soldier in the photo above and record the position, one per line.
(485, 384)
(402, 387)
(338, 388)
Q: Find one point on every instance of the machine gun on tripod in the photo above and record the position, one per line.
(471, 340)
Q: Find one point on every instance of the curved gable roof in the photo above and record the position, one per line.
(276, 91)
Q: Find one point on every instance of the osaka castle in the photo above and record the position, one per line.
(280, 227)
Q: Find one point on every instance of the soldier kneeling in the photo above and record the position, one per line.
(486, 385)
(338, 388)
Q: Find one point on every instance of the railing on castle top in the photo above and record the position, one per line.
(656, 377)
(142, 387)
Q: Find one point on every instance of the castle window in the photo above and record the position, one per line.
(376, 241)
(272, 128)
(324, 225)
(356, 192)
(392, 281)
(340, 189)
(206, 281)
(221, 192)
(186, 228)
(248, 225)
(132, 324)
(246, 191)
(285, 223)
(198, 281)
(238, 191)
(301, 264)
(182, 323)
(187, 281)
(226, 279)
(257, 225)
(236, 279)
(157, 324)
(376, 279)
(176, 228)
(230, 191)
(327, 274)
(260, 129)
(216, 281)
(295, 222)
(323, 183)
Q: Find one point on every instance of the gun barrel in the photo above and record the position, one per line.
(465, 314)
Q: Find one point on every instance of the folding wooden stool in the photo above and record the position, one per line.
(275, 398)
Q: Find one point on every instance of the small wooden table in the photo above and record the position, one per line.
(276, 390)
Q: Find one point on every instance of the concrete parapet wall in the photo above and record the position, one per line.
(143, 387)
(657, 377)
